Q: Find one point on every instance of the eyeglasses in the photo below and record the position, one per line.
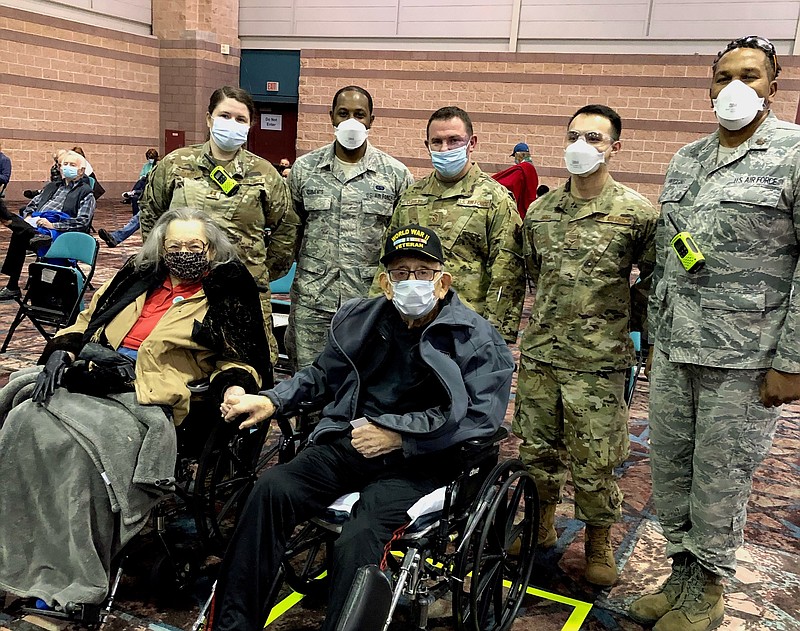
(195, 247)
(399, 275)
(754, 41)
(592, 137)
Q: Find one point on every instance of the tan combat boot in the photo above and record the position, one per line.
(547, 536)
(547, 526)
(649, 609)
(601, 569)
(700, 607)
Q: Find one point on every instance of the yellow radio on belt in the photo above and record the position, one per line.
(228, 185)
(688, 253)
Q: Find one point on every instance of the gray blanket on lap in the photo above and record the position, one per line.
(78, 477)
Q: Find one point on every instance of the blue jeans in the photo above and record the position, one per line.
(127, 230)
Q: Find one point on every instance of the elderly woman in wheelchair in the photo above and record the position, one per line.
(88, 442)
(404, 382)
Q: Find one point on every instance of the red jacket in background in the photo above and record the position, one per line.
(522, 180)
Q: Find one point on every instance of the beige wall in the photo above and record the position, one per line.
(113, 92)
(65, 84)
(513, 97)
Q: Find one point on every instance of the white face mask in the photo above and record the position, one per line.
(351, 134)
(737, 105)
(228, 134)
(583, 159)
(414, 298)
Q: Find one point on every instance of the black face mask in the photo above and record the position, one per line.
(186, 265)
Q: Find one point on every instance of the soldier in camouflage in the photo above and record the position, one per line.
(727, 337)
(256, 215)
(345, 193)
(476, 219)
(580, 243)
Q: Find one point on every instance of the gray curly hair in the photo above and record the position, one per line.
(220, 248)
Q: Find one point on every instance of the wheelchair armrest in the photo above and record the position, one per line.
(474, 447)
(284, 424)
(295, 438)
(199, 386)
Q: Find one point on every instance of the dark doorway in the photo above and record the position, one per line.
(275, 132)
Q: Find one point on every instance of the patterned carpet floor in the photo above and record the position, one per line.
(764, 595)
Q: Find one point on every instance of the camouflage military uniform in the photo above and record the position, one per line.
(478, 224)
(718, 331)
(344, 219)
(576, 347)
(262, 202)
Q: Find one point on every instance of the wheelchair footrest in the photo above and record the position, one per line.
(368, 603)
(76, 612)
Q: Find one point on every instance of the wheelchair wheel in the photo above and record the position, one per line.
(307, 555)
(171, 576)
(230, 463)
(489, 583)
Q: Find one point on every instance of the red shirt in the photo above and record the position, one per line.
(522, 180)
(155, 307)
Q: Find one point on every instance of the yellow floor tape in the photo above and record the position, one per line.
(580, 609)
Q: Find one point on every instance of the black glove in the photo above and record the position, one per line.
(50, 377)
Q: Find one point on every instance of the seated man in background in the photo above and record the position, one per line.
(64, 206)
(403, 378)
(81, 459)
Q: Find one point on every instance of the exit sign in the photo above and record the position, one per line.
(273, 86)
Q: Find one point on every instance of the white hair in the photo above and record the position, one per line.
(220, 248)
(74, 154)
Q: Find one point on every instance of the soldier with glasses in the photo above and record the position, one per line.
(580, 242)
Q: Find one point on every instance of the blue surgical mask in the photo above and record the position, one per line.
(228, 134)
(69, 172)
(450, 163)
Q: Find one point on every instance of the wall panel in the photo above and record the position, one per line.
(603, 26)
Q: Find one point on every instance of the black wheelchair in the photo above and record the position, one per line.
(217, 465)
(459, 540)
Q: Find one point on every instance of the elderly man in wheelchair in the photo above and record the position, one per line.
(404, 382)
(88, 442)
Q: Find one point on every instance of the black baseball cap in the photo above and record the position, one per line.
(413, 240)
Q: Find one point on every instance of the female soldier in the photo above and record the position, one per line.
(242, 193)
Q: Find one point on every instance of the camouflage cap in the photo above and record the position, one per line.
(412, 240)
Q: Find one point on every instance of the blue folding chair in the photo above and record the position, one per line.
(280, 316)
(283, 285)
(56, 285)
